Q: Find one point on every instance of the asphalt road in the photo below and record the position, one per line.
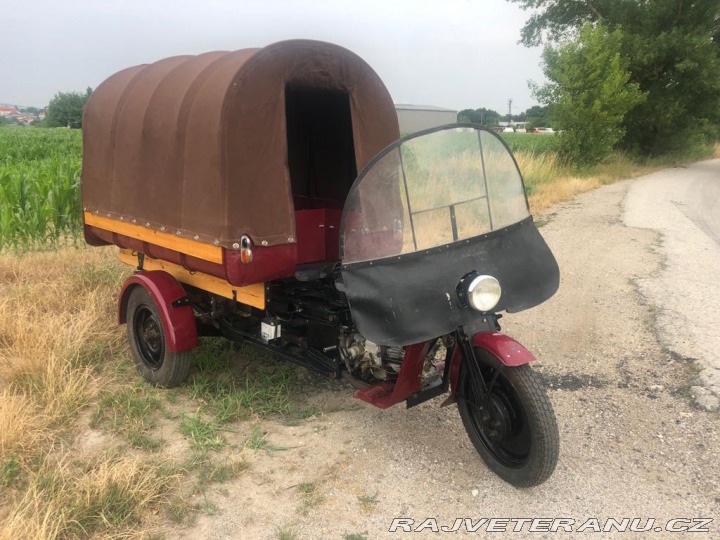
(683, 206)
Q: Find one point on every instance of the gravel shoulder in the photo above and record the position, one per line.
(633, 444)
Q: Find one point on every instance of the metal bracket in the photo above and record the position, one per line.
(141, 262)
(184, 301)
(438, 389)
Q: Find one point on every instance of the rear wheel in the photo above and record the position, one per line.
(514, 429)
(148, 343)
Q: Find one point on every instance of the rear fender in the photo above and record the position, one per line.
(504, 348)
(178, 321)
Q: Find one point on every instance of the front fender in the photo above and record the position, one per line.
(178, 321)
(503, 347)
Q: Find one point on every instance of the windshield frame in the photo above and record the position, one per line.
(397, 145)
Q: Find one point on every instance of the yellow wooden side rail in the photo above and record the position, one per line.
(201, 250)
(252, 295)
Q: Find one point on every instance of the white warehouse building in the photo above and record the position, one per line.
(414, 118)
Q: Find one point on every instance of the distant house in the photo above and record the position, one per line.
(414, 118)
(8, 110)
(26, 119)
(512, 124)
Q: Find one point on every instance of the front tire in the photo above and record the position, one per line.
(514, 430)
(149, 346)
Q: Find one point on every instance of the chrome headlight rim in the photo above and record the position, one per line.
(481, 292)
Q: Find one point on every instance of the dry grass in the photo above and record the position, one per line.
(105, 498)
(549, 181)
(23, 427)
(53, 329)
(57, 333)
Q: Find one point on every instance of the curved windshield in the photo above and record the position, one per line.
(432, 190)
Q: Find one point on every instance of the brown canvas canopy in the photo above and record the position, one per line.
(197, 146)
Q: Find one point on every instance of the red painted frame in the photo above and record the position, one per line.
(178, 322)
(386, 394)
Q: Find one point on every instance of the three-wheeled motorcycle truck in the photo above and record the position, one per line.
(266, 195)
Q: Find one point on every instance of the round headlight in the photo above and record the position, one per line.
(483, 292)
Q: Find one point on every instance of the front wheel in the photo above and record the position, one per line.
(148, 344)
(514, 428)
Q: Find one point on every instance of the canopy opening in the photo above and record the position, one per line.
(321, 152)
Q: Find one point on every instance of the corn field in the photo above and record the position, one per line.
(39, 187)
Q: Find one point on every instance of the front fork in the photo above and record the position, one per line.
(480, 387)
(508, 352)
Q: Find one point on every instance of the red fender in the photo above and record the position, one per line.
(507, 350)
(503, 347)
(178, 322)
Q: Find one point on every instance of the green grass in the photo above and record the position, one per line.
(209, 472)
(258, 441)
(311, 497)
(265, 387)
(285, 532)
(204, 433)
(307, 488)
(39, 187)
(535, 143)
(180, 512)
(355, 536)
(368, 502)
(9, 471)
(130, 411)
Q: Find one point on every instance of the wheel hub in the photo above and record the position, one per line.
(149, 337)
(496, 417)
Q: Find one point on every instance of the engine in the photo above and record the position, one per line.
(368, 361)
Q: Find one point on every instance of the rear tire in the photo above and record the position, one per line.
(149, 346)
(514, 431)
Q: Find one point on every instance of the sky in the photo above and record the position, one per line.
(459, 54)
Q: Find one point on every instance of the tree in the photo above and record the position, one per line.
(591, 93)
(486, 117)
(673, 52)
(66, 108)
(539, 116)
